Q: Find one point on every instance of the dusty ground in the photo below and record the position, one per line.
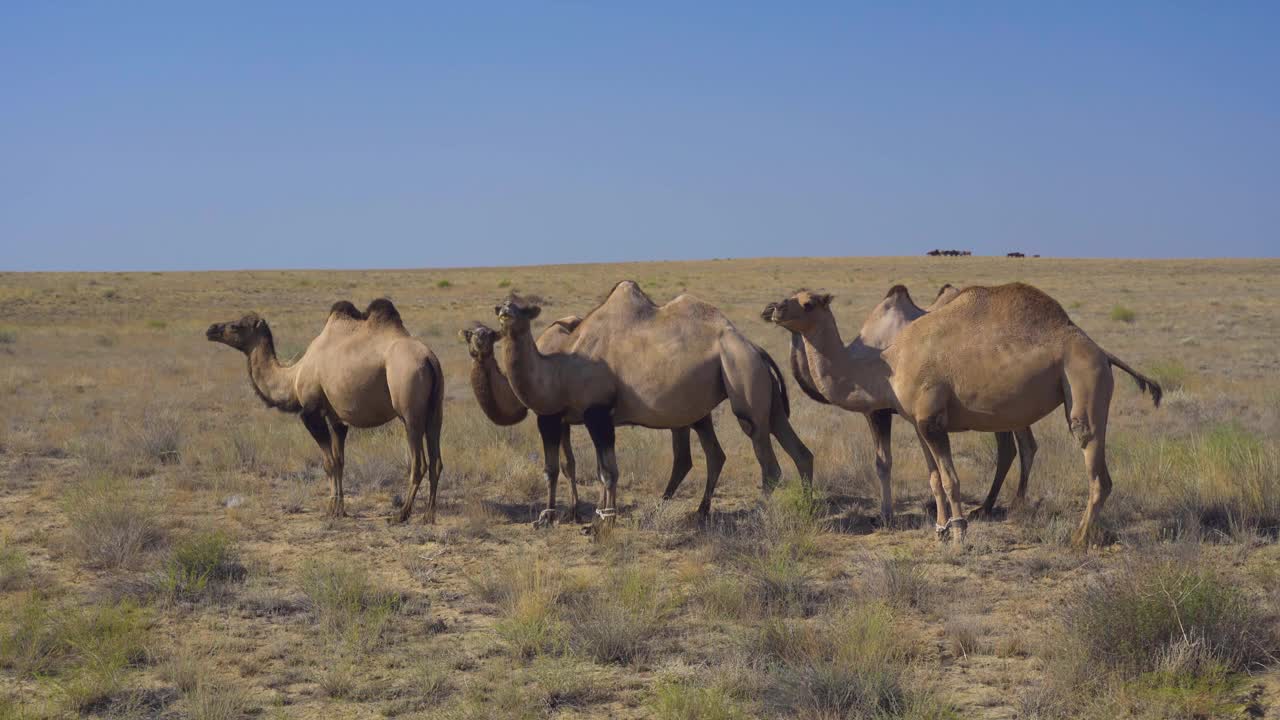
(108, 382)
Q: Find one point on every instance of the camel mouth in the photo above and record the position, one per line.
(767, 313)
(213, 333)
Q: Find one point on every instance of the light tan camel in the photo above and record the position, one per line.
(883, 323)
(632, 362)
(362, 370)
(1022, 444)
(993, 359)
(494, 395)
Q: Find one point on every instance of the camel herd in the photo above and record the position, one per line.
(985, 359)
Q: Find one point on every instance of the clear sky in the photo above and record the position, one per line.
(164, 135)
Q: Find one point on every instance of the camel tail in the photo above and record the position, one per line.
(780, 384)
(435, 402)
(1145, 383)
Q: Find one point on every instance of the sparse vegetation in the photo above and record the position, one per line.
(1120, 313)
(111, 524)
(199, 565)
(142, 480)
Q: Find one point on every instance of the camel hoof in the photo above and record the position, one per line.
(546, 519)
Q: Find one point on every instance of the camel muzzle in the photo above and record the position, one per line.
(214, 332)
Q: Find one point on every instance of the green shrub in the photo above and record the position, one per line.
(84, 652)
(1129, 622)
(690, 701)
(851, 666)
(1171, 374)
(349, 608)
(199, 564)
(528, 597)
(617, 622)
(444, 284)
(14, 569)
(504, 283)
(1123, 314)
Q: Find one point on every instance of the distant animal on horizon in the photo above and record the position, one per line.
(949, 253)
(363, 370)
(1015, 255)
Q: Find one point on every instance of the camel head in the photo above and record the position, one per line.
(479, 340)
(798, 312)
(514, 315)
(240, 334)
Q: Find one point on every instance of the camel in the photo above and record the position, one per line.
(362, 370)
(500, 404)
(886, 320)
(1022, 445)
(632, 362)
(993, 359)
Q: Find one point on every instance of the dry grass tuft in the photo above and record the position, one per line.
(111, 524)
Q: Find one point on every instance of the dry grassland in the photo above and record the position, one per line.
(163, 551)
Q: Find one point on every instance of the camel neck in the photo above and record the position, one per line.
(530, 373)
(493, 393)
(272, 381)
(855, 379)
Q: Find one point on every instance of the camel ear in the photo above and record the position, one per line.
(825, 300)
(497, 309)
(464, 336)
(532, 311)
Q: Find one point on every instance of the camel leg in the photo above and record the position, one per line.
(880, 423)
(1005, 452)
(319, 429)
(681, 460)
(339, 448)
(715, 461)
(570, 470)
(599, 422)
(939, 443)
(940, 506)
(780, 426)
(435, 465)
(550, 427)
(1026, 442)
(1087, 404)
(414, 436)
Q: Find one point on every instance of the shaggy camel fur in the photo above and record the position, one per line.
(886, 320)
(362, 370)
(993, 359)
(494, 395)
(632, 362)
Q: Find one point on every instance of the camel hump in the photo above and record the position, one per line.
(898, 290)
(382, 310)
(344, 308)
(943, 289)
(1018, 299)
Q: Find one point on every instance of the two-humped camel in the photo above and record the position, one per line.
(494, 395)
(993, 359)
(631, 362)
(882, 325)
(363, 370)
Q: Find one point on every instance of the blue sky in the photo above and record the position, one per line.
(232, 135)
